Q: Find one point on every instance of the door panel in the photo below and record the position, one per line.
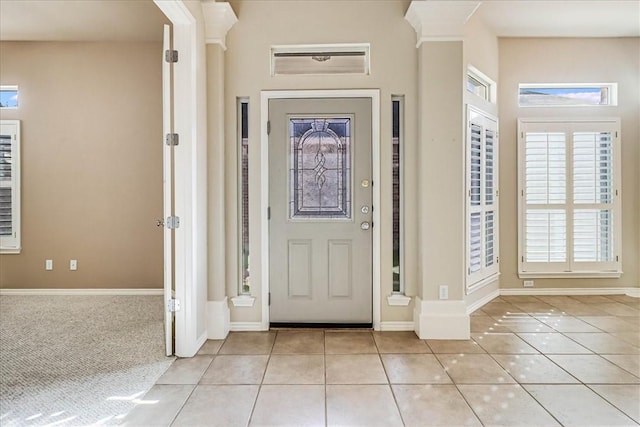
(319, 174)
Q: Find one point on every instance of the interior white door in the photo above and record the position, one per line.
(167, 176)
(320, 198)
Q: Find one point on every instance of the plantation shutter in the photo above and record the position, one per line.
(545, 195)
(482, 204)
(570, 208)
(9, 187)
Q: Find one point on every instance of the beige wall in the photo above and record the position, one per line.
(91, 122)
(588, 60)
(393, 71)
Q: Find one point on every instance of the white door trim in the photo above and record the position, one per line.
(265, 96)
(190, 198)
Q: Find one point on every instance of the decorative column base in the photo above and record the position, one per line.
(218, 319)
(441, 320)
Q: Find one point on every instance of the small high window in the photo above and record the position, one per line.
(567, 95)
(320, 59)
(8, 96)
(480, 85)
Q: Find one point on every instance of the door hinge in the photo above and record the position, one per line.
(269, 298)
(268, 127)
(171, 55)
(497, 260)
(173, 305)
(269, 213)
(172, 139)
(173, 222)
(617, 258)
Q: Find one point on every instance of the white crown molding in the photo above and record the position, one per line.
(219, 17)
(440, 20)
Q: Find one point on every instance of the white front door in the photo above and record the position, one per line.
(320, 198)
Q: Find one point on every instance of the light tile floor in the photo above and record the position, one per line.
(537, 361)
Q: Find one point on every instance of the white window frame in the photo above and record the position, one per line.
(486, 274)
(491, 90)
(570, 268)
(12, 244)
(612, 94)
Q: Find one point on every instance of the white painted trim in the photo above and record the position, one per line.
(398, 300)
(482, 283)
(482, 301)
(218, 319)
(248, 326)
(441, 320)
(397, 326)
(440, 20)
(634, 292)
(102, 291)
(439, 39)
(243, 301)
(570, 274)
(190, 199)
(219, 17)
(265, 96)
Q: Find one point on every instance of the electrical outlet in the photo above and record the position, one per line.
(73, 265)
(48, 264)
(444, 292)
(528, 284)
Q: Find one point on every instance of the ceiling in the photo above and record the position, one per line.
(562, 18)
(141, 20)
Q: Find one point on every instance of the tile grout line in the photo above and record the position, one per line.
(255, 402)
(386, 374)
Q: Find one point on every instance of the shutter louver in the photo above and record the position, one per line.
(546, 235)
(6, 201)
(475, 243)
(592, 167)
(476, 160)
(489, 234)
(489, 167)
(545, 164)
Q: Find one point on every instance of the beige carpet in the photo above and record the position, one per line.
(77, 360)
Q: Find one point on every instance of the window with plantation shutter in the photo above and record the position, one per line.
(570, 199)
(9, 186)
(482, 198)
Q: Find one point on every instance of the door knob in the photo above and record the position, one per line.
(365, 225)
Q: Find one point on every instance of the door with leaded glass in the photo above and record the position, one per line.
(320, 198)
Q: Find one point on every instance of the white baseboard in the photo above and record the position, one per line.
(218, 319)
(121, 291)
(634, 292)
(441, 320)
(247, 326)
(397, 326)
(482, 301)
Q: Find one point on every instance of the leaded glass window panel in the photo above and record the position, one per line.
(320, 168)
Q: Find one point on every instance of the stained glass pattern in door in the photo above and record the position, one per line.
(320, 168)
